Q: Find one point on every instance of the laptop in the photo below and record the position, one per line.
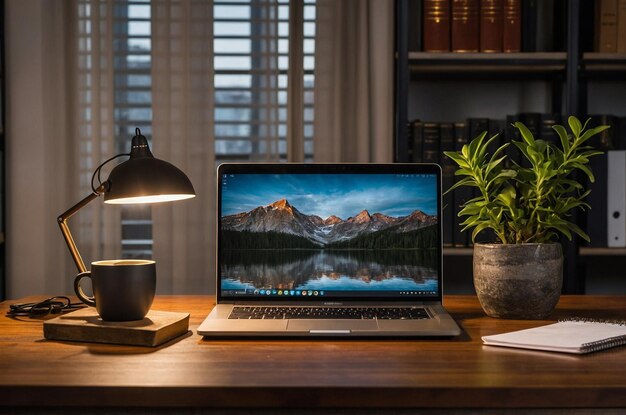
(329, 250)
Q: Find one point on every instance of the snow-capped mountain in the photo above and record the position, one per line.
(282, 217)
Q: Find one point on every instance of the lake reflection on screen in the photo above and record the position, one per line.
(333, 270)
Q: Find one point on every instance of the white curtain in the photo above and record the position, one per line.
(59, 128)
(354, 57)
(182, 105)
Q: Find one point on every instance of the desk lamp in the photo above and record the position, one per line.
(140, 179)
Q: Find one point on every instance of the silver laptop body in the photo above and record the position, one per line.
(329, 250)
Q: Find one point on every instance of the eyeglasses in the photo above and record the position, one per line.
(52, 305)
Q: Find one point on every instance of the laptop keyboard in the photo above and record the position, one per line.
(355, 313)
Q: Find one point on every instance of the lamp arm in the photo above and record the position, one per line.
(65, 230)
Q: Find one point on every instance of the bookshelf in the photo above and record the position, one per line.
(575, 80)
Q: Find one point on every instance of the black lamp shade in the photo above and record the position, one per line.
(147, 180)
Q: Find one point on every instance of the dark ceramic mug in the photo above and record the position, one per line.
(123, 289)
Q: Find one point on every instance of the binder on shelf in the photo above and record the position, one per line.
(465, 24)
(616, 199)
(436, 33)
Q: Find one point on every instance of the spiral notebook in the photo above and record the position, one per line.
(568, 336)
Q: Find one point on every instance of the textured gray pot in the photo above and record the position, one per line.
(518, 281)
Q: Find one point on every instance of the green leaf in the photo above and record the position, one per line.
(480, 227)
(525, 132)
(457, 158)
(562, 132)
(590, 133)
(467, 181)
(474, 146)
(574, 125)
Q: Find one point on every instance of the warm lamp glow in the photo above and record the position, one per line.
(148, 199)
(140, 179)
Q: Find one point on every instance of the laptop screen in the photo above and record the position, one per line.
(320, 231)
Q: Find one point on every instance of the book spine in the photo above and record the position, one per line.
(512, 26)
(430, 152)
(465, 21)
(596, 216)
(446, 131)
(461, 194)
(606, 31)
(418, 140)
(415, 25)
(512, 134)
(491, 25)
(436, 25)
(621, 26)
(547, 133)
(529, 31)
(597, 221)
(545, 26)
(409, 140)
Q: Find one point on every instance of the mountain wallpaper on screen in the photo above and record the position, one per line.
(281, 225)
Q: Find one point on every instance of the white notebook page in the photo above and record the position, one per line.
(564, 336)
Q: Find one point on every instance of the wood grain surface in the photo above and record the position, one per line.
(346, 373)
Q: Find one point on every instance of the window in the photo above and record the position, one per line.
(251, 48)
(251, 61)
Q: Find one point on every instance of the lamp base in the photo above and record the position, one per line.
(85, 325)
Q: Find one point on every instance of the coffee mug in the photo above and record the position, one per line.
(123, 289)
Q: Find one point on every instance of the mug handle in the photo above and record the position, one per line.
(90, 301)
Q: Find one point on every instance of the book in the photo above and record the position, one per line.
(430, 147)
(463, 193)
(417, 135)
(621, 26)
(606, 26)
(491, 26)
(448, 167)
(512, 134)
(436, 33)
(569, 336)
(512, 26)
(415, 25)
(597, 200)
(546, 132)
(85, 325)
(465, 23)
(597, 227)
(529, 31)
(545, 26)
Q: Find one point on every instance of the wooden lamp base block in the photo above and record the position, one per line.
(85, 325)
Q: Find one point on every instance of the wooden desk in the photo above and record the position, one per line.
(429, 373)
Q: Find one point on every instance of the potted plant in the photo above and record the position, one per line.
(526, 207)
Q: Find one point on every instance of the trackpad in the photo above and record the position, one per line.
(332, 325)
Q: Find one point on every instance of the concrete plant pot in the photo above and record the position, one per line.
(518, 281)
